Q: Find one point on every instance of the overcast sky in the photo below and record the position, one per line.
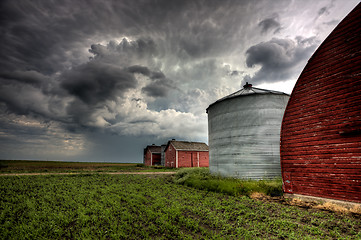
(99, 80)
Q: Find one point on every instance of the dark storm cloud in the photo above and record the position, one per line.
(278, 58)
(126, 50)
(158, 88)
(35, 36)
(146, 72)
(270, 24)
(96, 82)
(139, 69)
(332, 22)
(324, 11)
(235, 73)
(159, 85)
(27, 77)
(30, 93)
(48, 38)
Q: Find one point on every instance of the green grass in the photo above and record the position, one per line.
(201, 178)
(98, 206)
(23, 166)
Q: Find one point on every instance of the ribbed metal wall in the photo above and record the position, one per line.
(162, 155)
(244, 135)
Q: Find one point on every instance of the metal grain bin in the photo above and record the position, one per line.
(244, 133)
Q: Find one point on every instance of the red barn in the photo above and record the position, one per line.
(152, 155)
(186, 154)
(321, 128)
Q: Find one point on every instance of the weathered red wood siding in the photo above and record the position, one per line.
(321, 129)
(170, 157)
(147, 158)
(151, 159)
(203, 159)
(185, 158)
(193, 159)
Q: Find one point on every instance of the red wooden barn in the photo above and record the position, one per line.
(321, 128)
(152, 155)
(186, 154)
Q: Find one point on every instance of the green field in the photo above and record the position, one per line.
(24, 166)
(101, 206)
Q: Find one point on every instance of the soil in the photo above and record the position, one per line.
(309, 205)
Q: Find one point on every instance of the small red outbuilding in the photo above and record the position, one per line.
(321, 128)
(152, 155)
(186, 154)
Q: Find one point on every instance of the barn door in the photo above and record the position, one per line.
(194, 160)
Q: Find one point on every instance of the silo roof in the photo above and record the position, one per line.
(248, 90)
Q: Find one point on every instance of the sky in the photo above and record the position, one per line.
(100, 80)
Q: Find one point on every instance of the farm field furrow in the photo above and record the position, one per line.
(99, 206)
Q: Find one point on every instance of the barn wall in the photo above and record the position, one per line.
(203, 159)
(321, 129)
(187, 159)
(193, 159)
(244, 135)
(147, 158)
(170, 156)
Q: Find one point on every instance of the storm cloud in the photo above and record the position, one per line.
(79, 74)
(270, 24)
(278, 58)
(96, 82)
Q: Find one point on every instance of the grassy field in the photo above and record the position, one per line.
(201, 178)
(100, 206)
(22, 166)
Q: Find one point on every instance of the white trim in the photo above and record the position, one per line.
(198, 158)
(151, 159)
(176, 158)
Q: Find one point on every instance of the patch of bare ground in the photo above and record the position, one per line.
(337, 208)
(327, 206)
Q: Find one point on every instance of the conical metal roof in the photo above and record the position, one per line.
(249, 90)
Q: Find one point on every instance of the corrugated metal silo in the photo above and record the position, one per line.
(244, 133)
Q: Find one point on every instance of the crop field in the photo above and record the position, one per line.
(24, 166)
(101, 206)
